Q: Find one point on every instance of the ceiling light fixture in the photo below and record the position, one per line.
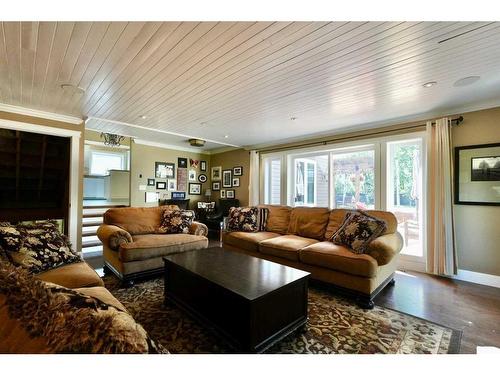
(144, 117)
(196, 142)
(72, 89)
(429, 84)
(466, 81)
(112, 140)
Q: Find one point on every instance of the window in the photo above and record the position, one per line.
(354, 179)
(102, 162)
(272, 181)
(310, 184)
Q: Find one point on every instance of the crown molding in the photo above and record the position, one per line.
(169, 147)
(187, 136)
(41, 114)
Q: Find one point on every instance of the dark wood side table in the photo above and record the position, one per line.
(251, 302)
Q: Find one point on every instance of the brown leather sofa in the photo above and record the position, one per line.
(133, 247)
(299, 237)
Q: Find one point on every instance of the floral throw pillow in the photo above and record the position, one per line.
(176, 221)
(243, 219)
(37, 247)
(358, 230)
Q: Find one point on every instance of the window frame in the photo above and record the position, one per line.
(123, 156)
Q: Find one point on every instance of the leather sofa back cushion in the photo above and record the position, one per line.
(136, 220)
(278, 219)
(337, 218)
(309, 222)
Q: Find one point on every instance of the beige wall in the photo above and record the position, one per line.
(142, 162)
(61, 125)
(228, 160)
(477, 227)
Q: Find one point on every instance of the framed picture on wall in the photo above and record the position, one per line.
(164, 170)
(223, 194)
(151, 182)
(202, 178)
(192, 175)
(238, 171)
(477, 174)
(203, 166)
(182, 162)
(216, 186)
(195, 188)
(171, 184)
(160, 185)
(216, 173)
(230, 194)
(236, 181)
(227, 178)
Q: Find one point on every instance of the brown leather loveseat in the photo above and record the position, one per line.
(134, 248)
(299, 237)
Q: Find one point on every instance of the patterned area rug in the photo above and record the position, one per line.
(335, 325)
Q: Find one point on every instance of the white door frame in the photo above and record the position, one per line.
(74, 181)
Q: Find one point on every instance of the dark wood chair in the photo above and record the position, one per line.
(213, 221)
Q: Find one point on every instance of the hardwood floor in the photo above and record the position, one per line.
(472, 308)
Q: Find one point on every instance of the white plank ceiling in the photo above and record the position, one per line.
(240, 83)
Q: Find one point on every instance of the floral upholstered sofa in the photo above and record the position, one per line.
(300, 237)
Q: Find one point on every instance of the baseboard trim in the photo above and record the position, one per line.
(478, 278)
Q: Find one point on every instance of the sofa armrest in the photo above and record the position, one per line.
(198, 229)
(385, 248)
(113, 236)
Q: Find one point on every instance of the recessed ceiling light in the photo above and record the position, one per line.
(429, 84)
(144, 117)
(466, 81)
(226, 136)
(72, 88)
(203, 123)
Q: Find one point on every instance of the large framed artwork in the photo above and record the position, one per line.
(477, 174)
(164, 170)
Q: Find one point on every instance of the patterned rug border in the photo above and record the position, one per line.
(456, 334)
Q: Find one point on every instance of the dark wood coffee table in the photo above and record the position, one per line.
(251, 302)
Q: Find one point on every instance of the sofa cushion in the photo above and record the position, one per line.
(103, 295)
(243, 219)
(136, 220)
(358, 230)
(278, 218)
(176, 221)
(69, 322)
(248, 240)
(76, 275)
(335, 257)
(37, 246)
(309, 222)
(337, 218)
(157, 245)
(286, 246)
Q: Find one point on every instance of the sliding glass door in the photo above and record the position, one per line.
(405, 196)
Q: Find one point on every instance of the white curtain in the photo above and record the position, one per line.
(254, 184)
(441, 252)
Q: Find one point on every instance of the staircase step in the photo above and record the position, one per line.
(92, 243)
(91, 222)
